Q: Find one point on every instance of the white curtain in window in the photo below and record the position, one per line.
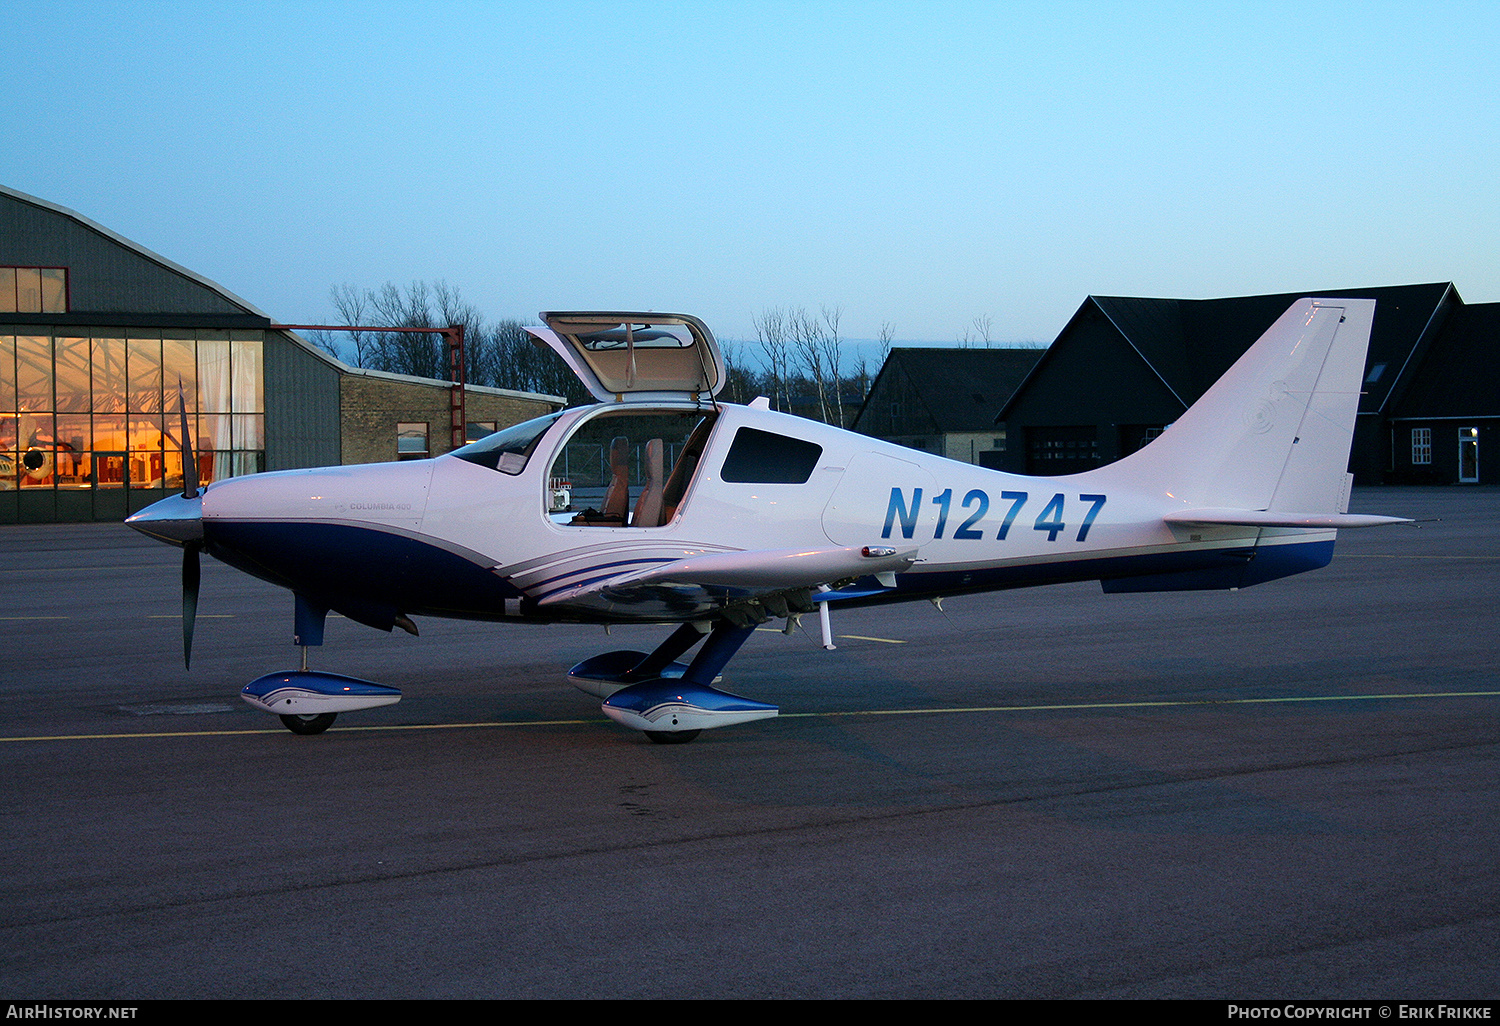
(214, 393)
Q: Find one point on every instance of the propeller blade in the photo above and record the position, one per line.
(190, 574)
(189, 458)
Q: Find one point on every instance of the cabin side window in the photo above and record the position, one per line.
(761, 457)
(627, 468)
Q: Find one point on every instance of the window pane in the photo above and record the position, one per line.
(213, 373)
(109, 471)
(73, 432)
(36, 431)
(7, 373)
(36, 450)
(145, 452)
(411, 439)
(213, 432)
(171, 462)
(248, 463)
(246, 363)
(109, 433)
(28, 290)
(74, 469)
(73, 451)
(109, 375)
(7, 290)
(249, 431)
(54, 290)
(73, 393)
(144, 368)
(34, 372)
(179, 364)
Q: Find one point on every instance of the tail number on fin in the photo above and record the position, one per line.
(905, 514)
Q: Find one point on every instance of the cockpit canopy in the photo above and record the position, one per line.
(633, 357)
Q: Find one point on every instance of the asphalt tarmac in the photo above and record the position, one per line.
(1288, 792)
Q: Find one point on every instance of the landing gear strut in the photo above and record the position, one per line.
(308, 701)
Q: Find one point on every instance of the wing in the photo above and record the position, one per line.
(1272, 518)
(701, 583)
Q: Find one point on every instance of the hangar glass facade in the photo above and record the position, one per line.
(97, 410)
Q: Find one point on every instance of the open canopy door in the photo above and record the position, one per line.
(636, 356)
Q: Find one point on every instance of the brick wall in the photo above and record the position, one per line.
(372, 406)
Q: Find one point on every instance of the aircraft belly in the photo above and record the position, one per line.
(364, 564)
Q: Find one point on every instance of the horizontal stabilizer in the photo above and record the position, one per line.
(1277, 518)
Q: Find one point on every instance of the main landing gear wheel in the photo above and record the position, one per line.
(313, 724)
(664, 737)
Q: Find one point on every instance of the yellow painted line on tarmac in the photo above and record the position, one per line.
(149, 616)
(1380, 555)
(1184, 703)
(592, 721)
(281, 730)
(201, 616)
(840, 637)
(82, 569)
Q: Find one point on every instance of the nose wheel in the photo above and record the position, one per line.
(307, 725)
(672, 737)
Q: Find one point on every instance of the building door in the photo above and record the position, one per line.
(110, 484)
(1468, 455)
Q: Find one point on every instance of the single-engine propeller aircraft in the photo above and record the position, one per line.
(662, 505)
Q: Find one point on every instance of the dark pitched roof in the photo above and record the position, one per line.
(1190, 343)
(961, 388)
(1456, 377)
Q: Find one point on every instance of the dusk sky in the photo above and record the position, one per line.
(919, 164)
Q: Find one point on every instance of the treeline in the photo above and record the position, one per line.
(800, 361)
(498, 354)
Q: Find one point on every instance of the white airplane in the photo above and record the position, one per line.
(717, 517)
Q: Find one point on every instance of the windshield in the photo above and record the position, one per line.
(507, 450)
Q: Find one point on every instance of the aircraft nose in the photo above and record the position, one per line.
(175, 520)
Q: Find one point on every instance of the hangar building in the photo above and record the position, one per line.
(95, 334)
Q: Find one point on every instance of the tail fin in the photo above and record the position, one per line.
(1272, 435)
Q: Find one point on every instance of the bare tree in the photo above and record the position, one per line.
(352, 305)
(830, 347)
(740, 385)
(807, 342)
(771, 333)
(978, 331)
